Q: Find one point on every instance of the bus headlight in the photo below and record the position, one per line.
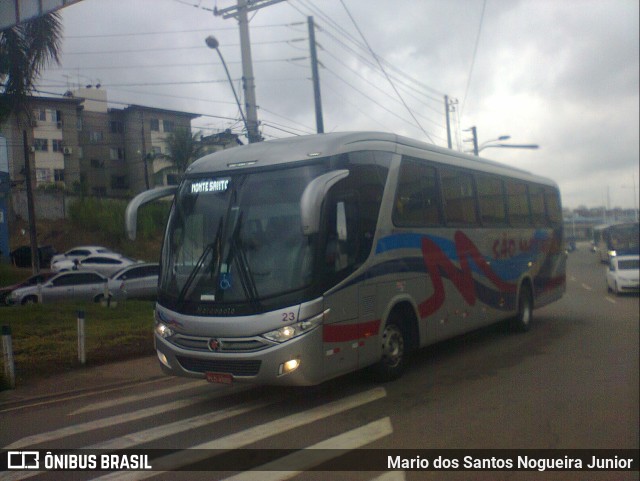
(163, 330)
(294, 330)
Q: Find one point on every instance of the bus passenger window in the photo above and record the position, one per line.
(518, 203)
(459, 197)
(417, 196)
(491, 199)
(536, 197)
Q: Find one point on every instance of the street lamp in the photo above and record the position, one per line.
(213, 43)
(511, 146)
(499, 139)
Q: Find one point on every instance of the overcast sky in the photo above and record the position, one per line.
(561, 74)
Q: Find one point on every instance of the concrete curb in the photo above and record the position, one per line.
(82, 381)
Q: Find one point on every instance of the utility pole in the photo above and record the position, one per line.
(446, 110)
(315, 76)
(239, 12)
(31, 210)
(474, 139)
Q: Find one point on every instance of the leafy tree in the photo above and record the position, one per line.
(183, 148)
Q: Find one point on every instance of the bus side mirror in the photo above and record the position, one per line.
(131, 214)
(312, 197)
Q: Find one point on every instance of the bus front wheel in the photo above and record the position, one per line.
(522, 321)
(391, 364)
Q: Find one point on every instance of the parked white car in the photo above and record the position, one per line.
(136, 281)
(623, 274)
(106, 264)
(80, 253)
(79, 285)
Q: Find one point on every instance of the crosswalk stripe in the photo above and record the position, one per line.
(105, 422)
(176, 427)
(251, 435)
(318, 453)
(146, 395)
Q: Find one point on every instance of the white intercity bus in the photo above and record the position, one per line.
(295, 261)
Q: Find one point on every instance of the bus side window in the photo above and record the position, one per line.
(518, 203)
(417, 201)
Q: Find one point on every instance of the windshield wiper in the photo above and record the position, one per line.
(200, 262)
(246, 278)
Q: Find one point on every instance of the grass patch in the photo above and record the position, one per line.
(45, 339)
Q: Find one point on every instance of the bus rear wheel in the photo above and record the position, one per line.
(391, 364)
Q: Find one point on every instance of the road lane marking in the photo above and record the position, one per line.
(318, 453)
(78, 396)
(612, 301)
(587, 287)
(251, 435)
(137, 397)
(176, 427)
(105, 422)
(391, 476)
(160, 432)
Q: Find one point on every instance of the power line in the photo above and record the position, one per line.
(385, 72)
(473, 59)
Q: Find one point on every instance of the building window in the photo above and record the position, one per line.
(116, 126)
(97, 163)
(41, 145)
(116, 153)
(95, 136)
(43, 175)
(119, 182)
(156, 150)
(40, 114)
(57, 145)
(58, 175)
(154, 125)
(168, 125)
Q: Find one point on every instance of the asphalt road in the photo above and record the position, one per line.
(570, 383)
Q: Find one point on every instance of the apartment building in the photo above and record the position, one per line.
(78, 143)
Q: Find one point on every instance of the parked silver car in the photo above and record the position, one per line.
(79, 253)
(79, 285)
(136, 281)
(106, 264)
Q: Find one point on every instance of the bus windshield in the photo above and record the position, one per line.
(237, 239)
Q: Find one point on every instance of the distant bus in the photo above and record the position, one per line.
(298, 260)
(616, 239)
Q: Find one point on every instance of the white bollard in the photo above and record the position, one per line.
(82, 355)
(7, 355)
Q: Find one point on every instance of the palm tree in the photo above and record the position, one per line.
(183, 148)
(25, 50)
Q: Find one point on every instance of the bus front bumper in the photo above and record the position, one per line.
(297, 362)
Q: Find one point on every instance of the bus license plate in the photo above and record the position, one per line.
(219, 377)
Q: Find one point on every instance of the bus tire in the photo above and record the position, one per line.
(523, 319)
(391, 364)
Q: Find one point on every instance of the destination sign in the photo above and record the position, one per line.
(210, 185)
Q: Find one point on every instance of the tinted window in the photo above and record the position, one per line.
(536, 197)
(67, 280)
(78, 252)
(491, 200)
(417, 195)
(552, 205)
(518, 203)
(88, 278)
(458, 197)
